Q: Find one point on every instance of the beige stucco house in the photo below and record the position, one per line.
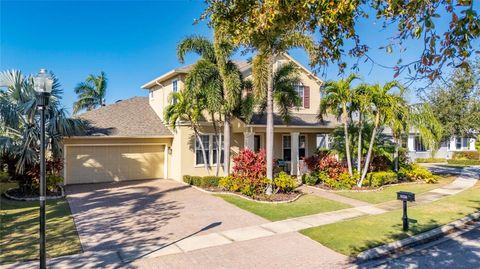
(129, 140)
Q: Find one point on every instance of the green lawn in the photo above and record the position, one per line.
(354, 236)
(305, 205)
(19, 229)
(390, 193)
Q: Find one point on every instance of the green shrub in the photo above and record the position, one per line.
(310, 179)
(204, 182)
(464, 162)
(430, 160)
(323, 176)
(420, 173)
(53, 181)
(344, 181)
(285, 182)
(466, 155)
(4, 177)
(378, 179)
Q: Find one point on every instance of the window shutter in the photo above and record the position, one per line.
(306, 97)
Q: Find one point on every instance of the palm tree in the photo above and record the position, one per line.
(361, 103)
(216, 78)
(186, 107)
(385, 108)
(20, 123)
(91, 93)
(285, 96)
(337, 99)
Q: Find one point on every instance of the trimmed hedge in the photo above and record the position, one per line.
(466, 155)
(464, 162)
(207, 181)
(430, 160)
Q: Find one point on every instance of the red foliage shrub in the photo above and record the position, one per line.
(312, 161)
(380, 163)
(251, 165)
(322, 161)
(52, 167)
(249, 171)
(330, 165)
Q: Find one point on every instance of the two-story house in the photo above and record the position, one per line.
(130, 140)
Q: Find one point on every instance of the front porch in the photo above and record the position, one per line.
(291, 145)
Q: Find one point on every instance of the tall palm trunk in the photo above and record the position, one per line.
(269, 131)
(219, 144)
(199, 139)
(227, 138)
(395, 154)
(359, 151)
(370, 149)
(347, 140)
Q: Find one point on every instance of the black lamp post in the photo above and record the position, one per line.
(43, 86)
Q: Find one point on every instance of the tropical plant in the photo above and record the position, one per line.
(241, 25)
(216, 78)
(91, 93)
(20, 124)
(385, 107)
(285, 96)
(186, 107)
(336, 100)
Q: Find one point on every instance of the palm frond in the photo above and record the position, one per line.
(197, 44)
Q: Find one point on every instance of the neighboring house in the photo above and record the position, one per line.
(128, 140)
(417, 149)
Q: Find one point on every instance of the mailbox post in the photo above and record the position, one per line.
(405, 197)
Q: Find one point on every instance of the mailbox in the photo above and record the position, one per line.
(406, 196)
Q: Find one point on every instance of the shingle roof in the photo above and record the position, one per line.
(297, 119)
(131, 117)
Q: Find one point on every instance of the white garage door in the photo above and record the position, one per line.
(92, 164)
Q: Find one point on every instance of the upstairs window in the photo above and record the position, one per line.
(174, 89)
(301, 91)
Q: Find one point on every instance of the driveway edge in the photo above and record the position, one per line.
(446, 229)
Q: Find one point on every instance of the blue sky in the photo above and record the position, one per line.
(132, 41)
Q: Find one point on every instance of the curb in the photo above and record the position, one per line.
(247, 198)
(436, 233)
(35, 198)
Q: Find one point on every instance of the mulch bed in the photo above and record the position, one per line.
(20, 195)
(278, 197)
(363, 188)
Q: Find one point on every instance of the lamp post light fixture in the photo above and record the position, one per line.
(43, 83)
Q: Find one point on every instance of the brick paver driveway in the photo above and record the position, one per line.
(110, 216)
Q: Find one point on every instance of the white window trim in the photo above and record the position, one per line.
(210, 152)
(462, 148)
(306, 145)
(425, 146)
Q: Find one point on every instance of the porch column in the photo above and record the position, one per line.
(249, 140)
(294, 153)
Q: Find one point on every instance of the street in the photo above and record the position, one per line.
(459, 252)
